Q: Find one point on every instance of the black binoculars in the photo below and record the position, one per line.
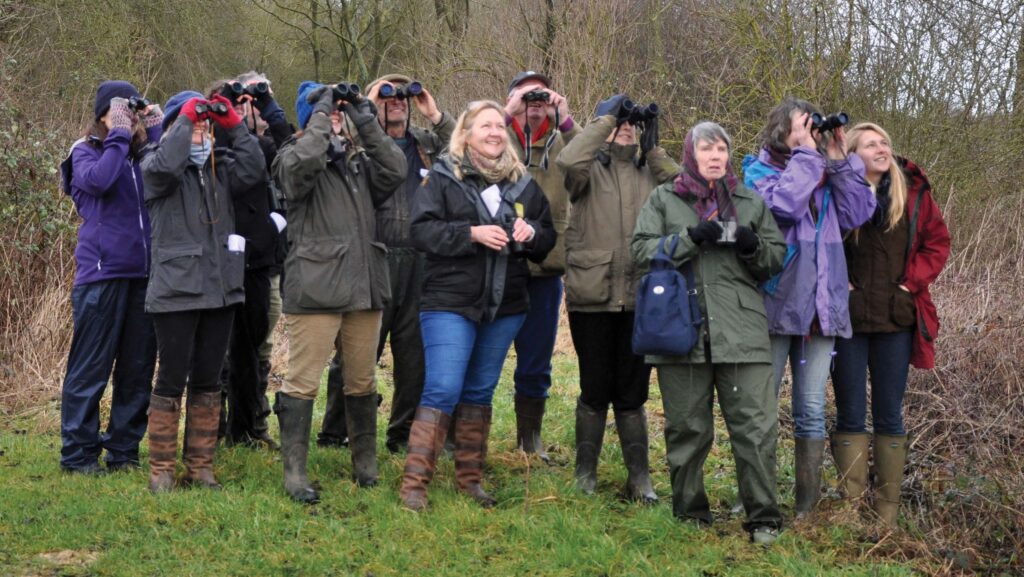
(634, 113)
(347, 91)
(830, 122)
(537, 96)
(211, 108)
(137, 103)
(234, 91)
(401, 91)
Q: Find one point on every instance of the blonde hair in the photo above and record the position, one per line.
(457, 144)
(898, 182)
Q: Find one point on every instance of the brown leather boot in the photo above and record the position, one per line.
(472, 427)
(426, 439)
(202, 418)
(164, 414)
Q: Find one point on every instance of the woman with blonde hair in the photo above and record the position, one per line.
(478, 216)
(892, 259)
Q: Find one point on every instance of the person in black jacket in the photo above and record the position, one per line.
(478, 217)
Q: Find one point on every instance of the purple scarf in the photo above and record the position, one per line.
(709, 195)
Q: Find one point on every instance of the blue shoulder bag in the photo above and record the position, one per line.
(667, 318)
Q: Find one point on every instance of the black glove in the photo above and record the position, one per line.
(322, 99)
(746, 240)
(610, 107)
(362, 112)
(707, 230)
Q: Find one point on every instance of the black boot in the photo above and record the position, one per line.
(809, 455)
(333, 431)
(295, 417)
(529, 417)
(632, 427)
(589, 437)
(259, 427)
(361, 421)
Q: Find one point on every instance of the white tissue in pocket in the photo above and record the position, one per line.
(236, 243)
(279, 221)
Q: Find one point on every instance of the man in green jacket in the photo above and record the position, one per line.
(401, 320)
(732, 355)
(539, 125)
(336, 274)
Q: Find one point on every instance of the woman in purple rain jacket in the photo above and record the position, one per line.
(817, 192)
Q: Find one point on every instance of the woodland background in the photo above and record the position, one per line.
(945, 77)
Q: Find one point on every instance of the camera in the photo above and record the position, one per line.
(728, 235)
(830, 122)
(211, 108)
(537, 96)
(402, 91)
(347, 91)
(634, 113)
(137, 103)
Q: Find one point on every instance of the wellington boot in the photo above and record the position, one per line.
(202, 417)
(529, 417)
(850, 451)
(426, 439)
(632, 426)
(295, 416)
(261, 433)
(890, 460)
(361, 422)
(589, 437)
(164, 414)
(472, 427)
(809, 455)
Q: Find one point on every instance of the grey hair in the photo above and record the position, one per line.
(708, 131)
(251, 75)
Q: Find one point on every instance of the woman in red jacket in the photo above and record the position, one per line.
(891, 259)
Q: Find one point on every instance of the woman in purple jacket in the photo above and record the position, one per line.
(111, 329)
(817, 192)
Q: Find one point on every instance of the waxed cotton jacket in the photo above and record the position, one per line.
(190, 208)
(552, 182)
(735, 321)
(606, 190)
(334, 265)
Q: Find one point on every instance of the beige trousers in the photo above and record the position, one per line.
(313, 338)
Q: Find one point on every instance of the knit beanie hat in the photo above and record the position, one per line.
(112, 89)
(303, 109)
(173, 106)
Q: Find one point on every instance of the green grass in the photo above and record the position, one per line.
(113, 526)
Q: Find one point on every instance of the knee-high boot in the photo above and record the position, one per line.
(164, 414)
(426, 439)
(472, 428)
(202, 418)
(295, 417)
(632, 426)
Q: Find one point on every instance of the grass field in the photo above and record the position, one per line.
(58, 524)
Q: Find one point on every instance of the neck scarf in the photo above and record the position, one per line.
(710, 195)
(534, 136)
(491, 169)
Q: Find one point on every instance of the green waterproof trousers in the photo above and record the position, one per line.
(747, 399)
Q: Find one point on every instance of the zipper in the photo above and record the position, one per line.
(142, 226)
(213, 232)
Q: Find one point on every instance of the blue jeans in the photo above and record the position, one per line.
(463, 358)
(536, 340)
(887, 356)
(809, 362)
(112, 333)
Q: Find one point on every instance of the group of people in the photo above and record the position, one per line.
(204, 221)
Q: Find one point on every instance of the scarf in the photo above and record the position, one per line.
(710, 195)
(534, 136)
(493, 170)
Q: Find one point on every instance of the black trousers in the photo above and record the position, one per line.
(401, 321)
(191, 347)
(242, 386)
(610, 374)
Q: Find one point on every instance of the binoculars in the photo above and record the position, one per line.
(634, 113)
(537, 96)
(401, 91)
(137, 103)
(234, 91)
(211, 108)
(830, 122)
(347, 91)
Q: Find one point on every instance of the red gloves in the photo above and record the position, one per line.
(189, 110)
(228, 120)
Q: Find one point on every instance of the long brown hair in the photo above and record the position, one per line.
(897, 182)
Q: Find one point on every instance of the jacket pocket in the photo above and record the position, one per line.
(380, 286)
(177, 271)
(902, 309)
(321, 280)
(586, 276)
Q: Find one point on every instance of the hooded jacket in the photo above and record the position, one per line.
(813, 284)
(465, 277)
(191, 210)
(606, 191)
(334, 265)
(106, 184)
